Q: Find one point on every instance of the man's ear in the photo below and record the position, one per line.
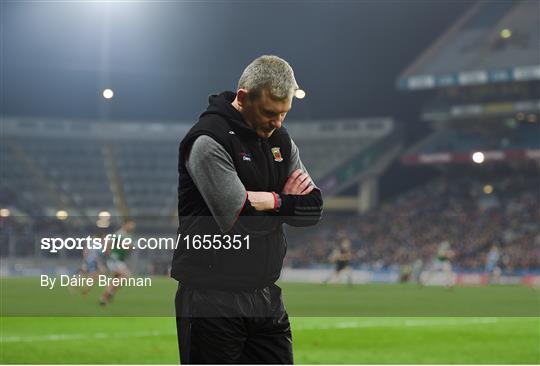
(242, 97)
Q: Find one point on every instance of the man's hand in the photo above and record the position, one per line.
(261, 201)
(299, 183)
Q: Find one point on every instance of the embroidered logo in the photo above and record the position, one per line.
(231, 132)
(277, 154)
(245, 156)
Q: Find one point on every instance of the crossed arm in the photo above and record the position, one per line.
(298, 183)
(213, 171)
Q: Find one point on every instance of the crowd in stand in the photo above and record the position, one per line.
(471, 213)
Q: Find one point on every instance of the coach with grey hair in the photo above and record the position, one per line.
(240, 180)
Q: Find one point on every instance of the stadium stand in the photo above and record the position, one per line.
(484, 71)
(125, 169)
(148, 176)
(471, 208)
(496, 41)
(325, 144)
(483, 137)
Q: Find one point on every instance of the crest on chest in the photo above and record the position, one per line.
(277, 154)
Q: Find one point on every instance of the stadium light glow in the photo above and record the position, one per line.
(300, 94)
(5, 212)
(103, 223)
(488, 189)
(478, 157)
(104, 215)
(506, 33)
(108, 93)
(61, 215)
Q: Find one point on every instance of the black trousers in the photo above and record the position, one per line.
(239, 327)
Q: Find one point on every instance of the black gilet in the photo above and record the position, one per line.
(262, 165)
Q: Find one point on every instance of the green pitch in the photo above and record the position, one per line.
(317, 339)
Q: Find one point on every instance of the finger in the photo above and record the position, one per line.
(301, 180)
(288, 185)
(292, 178)
(308, 190)
(293, 182)
(302, 177)
(304, 184)
(295, 174)
(292, 185)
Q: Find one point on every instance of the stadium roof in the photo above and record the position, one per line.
(494, 41)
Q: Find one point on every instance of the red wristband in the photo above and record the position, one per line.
(276, 200)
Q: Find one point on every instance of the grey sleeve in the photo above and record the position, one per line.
(296, 162)
(212, 169)
(301, 210)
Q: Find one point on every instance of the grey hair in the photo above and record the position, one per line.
(269, 72)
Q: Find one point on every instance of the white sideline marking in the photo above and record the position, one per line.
(338, 325)
(399, 323)
(74, 337)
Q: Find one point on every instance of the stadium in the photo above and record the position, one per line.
(428, 251)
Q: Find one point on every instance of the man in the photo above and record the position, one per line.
(442, 264)
(240, 180)
(92, 266)
(493, 270)
(342, 257)
(116, 262)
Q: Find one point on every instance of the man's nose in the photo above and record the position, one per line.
(277, 122)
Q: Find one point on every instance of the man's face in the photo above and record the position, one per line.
(265, 114)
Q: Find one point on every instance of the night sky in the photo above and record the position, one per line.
(164, 58)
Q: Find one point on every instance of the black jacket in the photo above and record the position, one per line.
(261, 265)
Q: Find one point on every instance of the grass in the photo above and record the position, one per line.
(331, 324)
